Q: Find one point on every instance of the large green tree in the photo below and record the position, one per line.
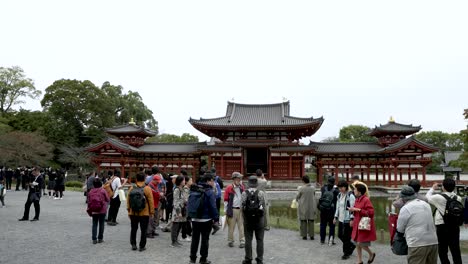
(355, 133)
(444, 141)
(128, 106)
(79, 107)
(25, 148)
(81, 111)
(462, 162)
(14, 86)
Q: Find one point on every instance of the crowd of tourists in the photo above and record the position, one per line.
(33, 180)
(190, 210)
(186, 208)
(421, 234)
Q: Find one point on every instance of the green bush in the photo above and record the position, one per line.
(76, 184)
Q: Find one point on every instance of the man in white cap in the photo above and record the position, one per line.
(232, 208)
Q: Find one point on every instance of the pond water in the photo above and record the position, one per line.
(283, 210)
(283, 216)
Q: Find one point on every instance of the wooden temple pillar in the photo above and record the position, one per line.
(383, 173)
(303, 166)
(290, 166)
(376, 173)
(270, 167)
(416, 173)
(319, 172)
(242, 162)
(424, 176)
(368, 173)
(222, 166)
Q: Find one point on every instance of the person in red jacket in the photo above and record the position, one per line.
(154, 219)
(232, 208)
(363, 208)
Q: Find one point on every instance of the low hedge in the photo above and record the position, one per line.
(76, 184)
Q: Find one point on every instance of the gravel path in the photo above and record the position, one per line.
(63, 235)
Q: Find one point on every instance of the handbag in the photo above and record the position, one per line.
(399, 245)
(122, 196)
(294, 204)
(365, 223)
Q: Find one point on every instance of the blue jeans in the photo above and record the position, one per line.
(98, 219)
(326, 219)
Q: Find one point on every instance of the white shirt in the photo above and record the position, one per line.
(116, 184)
(341, 208)
(415, 220)
(440, 203)
(237, 201)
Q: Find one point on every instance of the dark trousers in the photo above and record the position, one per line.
(186, 229)
(134, 222)
(169, 207)
(176, 226)
(344, 233)
(8, 183)
(2, 199)
(24, 182)
(251, 227)
(326, 219)
(27, 206)
(98, 219)
(114, 209)
(18, 183)
(202, 229)
(449, 237)
(218, 204)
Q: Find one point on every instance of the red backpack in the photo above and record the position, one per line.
(96, 201)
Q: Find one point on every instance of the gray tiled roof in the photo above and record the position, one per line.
(392, 127)
(115, 142)
(129, 129)
(335, 147)
(171, 147)
(407, 141)
(452, 155)
(451, 169)
(256, 115)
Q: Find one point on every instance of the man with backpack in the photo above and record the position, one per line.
(327, 205)
(253, 211)
(97, 206)
(219, 185)
(140, 206)
(201, 207)
(448, 219)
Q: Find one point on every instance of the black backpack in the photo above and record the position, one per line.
(137, 198)
(196, 202)
(326, 200)
(252, 207)
(453, 214)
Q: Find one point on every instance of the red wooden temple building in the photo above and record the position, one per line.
(265, 136)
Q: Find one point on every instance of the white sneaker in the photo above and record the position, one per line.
(61, 198)
(56, 198)
(187, 239)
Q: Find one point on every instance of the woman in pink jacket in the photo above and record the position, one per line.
(97, 208)
(363, 238)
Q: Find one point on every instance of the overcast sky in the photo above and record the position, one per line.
(352, 62)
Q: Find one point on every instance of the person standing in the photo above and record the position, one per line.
(18, 178)
(114, 206)
(140, 206)
(59, 185)
(345, 200)
(34, 196)
(253, 205)
(232, 207)
(204, 218)
(363, 208)
(448, 234)
(187, 227)
(154, 219)
(306, 208)
(327, 205)
(415, 222)
(262, 186)
(179, 211)
(9, 178)
(97, 207)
